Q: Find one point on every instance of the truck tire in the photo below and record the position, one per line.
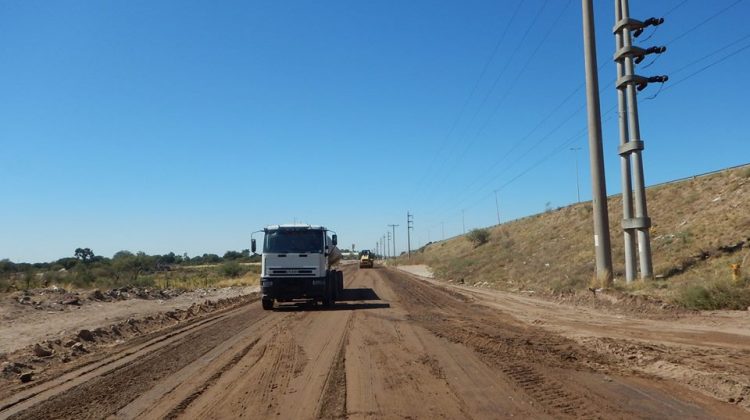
(267, 304)
(329, 294)
(339, 283)
(328, 299)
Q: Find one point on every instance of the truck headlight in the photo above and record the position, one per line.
(266, 283)
(318, 282)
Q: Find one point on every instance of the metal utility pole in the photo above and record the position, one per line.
(497, 208)
(634, 209)
(463, 220)
(409, 227)
(578, 186)
(442, 226)
(602, 246)
(393, 227)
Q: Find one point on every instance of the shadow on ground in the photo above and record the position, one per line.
(351, 299)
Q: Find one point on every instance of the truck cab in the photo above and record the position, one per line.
(298, 264)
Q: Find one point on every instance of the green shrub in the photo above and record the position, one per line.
(718, 295)
(478, 236)
(5, 284)
(230, 269)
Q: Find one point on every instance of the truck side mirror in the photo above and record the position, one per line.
(334, 239)
(252, 245)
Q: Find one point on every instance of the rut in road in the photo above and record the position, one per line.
(531, 358)
(400, 348)
(210, 382)
(333, 400)
(104, 395)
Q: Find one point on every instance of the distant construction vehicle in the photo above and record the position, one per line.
(366, 259)
(298, 263)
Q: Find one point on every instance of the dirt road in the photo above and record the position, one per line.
(398, 347)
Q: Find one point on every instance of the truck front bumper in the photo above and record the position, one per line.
(286, 288)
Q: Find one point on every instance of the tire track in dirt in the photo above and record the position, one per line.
(525, 355)
(333, 399)
(287, 374)
(566, 378)
(286, 360)
(210, 382)
(102, 363)
(549, 393)
(390, 367)
(104, 395)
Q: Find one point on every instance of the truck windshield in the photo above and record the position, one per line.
(293, 241)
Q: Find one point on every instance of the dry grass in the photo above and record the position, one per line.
(695, 225)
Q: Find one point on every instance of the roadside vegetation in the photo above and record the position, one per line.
(86, 270)
(700, 240)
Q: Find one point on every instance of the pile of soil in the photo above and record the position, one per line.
(31, 362)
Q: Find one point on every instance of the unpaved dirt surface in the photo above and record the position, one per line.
(397, 347)
(24, 325)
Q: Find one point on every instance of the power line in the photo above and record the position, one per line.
(661, 87)
(486, 66)
(725, 47)
(559, 106)
(578, 135)
(663, 15)
(513, 83)
(706, 67)
(494, 86)
(557, 150)
(705, 21)
(669, 12)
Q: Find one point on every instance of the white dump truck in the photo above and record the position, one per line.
(298, 264)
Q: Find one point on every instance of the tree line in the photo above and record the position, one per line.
(86, 269)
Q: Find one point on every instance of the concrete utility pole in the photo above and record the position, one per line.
(578, 186)
(602, 246)
(634, 209)
(497, 208)
(385, 248)
(409, 227)
(388, 236)
(393, 227)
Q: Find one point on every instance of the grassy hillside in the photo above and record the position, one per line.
(700, 227)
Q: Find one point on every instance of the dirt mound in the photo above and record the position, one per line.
(33, 361)
(57, 298)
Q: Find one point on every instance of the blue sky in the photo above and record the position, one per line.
(185, 125)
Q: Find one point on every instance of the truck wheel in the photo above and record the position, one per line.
(267, 304)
